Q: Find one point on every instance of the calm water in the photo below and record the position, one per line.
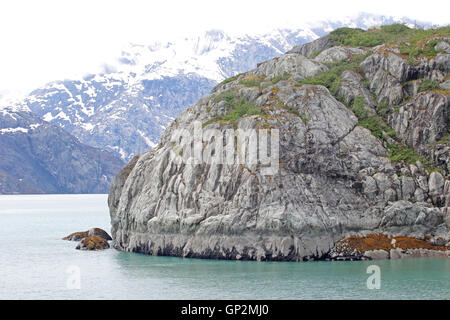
(36, 264)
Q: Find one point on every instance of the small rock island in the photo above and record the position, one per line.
(93, 239)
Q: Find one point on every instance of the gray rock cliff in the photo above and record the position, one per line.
(336, 174)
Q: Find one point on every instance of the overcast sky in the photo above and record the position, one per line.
(44, 40)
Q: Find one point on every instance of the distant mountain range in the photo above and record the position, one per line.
(125, 109)
(38, 157)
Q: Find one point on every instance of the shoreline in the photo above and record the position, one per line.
(283, 249)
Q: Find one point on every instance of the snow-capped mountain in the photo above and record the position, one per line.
(38, 157)
(126, 108)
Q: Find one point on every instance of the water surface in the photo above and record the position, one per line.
(36, 264)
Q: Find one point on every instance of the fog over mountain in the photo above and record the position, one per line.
(125, 109)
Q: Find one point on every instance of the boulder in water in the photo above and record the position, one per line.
(92, 243)
(77, 236)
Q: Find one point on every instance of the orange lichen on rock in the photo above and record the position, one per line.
(383, 242)
(93, 243)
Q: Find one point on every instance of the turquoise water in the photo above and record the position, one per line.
(35, 264)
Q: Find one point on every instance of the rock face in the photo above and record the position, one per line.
(418, 253)
(314, 47)
(336, 54)
(333, 176)
(92, 243)
(423, 121)
(352, 86)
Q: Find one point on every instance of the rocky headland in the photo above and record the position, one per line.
(362, 122)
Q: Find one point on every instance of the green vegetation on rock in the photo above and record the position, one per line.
(237, 107)
(314, 54)
(229, 80)
(377, 126)
(227, 96)
(332, 77)
(445, 139)
(427, 85)
(412, 42)
(277, 79)
(252, 81)
(401, 153)
(389, 34)
(398, 152)
(383, 108)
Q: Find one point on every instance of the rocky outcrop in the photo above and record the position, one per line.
(386, 74)
(92, 243)
(333, 179)
(418, 253)
(423, 120)
(336, 54)
(381, 246)
(445, 85)
(443, 46)
(100, 233)
(296, 65)
(352, 86)
(314, 47)
(77, 236)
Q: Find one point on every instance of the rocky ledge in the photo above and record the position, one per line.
(381, 246)
(363, 148)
